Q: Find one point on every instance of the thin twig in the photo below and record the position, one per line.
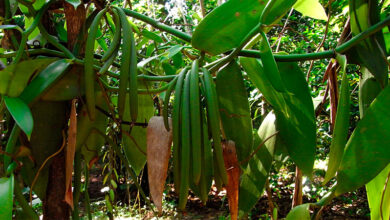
(258, 148)
(141, 124)
(322, 42)
(44, 163)
(282, 31)
(269, 198)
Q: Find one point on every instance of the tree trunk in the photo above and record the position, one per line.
(54, 206)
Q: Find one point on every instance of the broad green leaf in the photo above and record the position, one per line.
(340, 132)
(21, 113)
(269, 64)
(27, 22)
(45, 79)
(37, 5)
(366, 153)
(294, 110)
(6, 197)
(256, 173)
(174, 50)
(279, 9)
(75, 3)
(311, 8)
(135, 146)
(300, 212)
(152, 36)
(71, 85)
(100, 40)
(88, 140)
(297, 125)
(214, 33)
(369, 89)
(363, 14)
(257, 75)
(378, 194)
(168, 68)
(14, 6)
(14, 78)
(62, 34)
(234, 109)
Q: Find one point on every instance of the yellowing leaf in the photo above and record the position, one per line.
(311, 8)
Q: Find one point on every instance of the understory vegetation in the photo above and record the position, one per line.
(208, 109)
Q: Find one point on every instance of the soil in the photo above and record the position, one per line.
(349, 206)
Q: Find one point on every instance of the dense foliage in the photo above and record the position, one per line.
(199, 95)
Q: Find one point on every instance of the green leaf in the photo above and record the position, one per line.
(14, 78)
(386, 3)
(366, 153)
(37, 5)
(369, 89)
(300, 212)
(377, 197)
(6, 199)
(294, 110)
(135, 147)
(87, 138)
(27, 23)
(269, 64)
(340, 132)
(363, 14)
(214, 33)
(45, 79)
(75, 3)
(21, 113)
(278, 10)
(256, 173)
(152, 36)
(70, 86)
(100, 40)
(174, 50)
(311, 8)
(234, 109)
(257, 75)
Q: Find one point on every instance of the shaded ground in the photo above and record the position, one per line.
(350, 206)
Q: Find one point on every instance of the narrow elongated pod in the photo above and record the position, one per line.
(126, 59)
(115, 40)
(214, 122)
(176, 129)
(133, 81)
(185, 144)
(195, 122)
(88, 66)
(171, 86)
(207, 163)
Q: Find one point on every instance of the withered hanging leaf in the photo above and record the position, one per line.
(233, 172)
(159, 142)
(70, 151)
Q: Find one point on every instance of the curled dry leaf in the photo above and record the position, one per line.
(159, 142)
(233, 172)
(70, 152)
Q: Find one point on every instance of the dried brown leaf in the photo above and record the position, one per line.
(233, 172)
(70, 151)
(159, 142)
